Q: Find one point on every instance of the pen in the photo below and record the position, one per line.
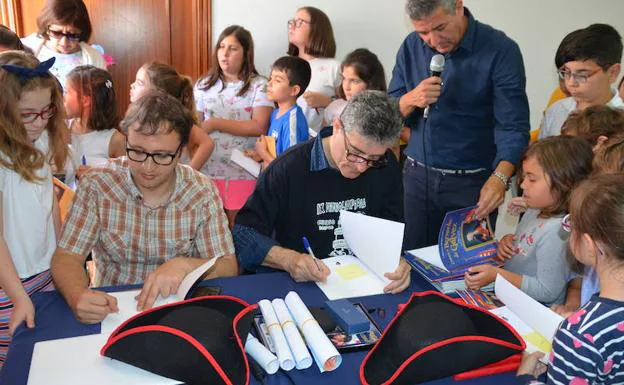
(83, 160)
(306, 245)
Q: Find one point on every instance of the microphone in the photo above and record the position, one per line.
(435, 69)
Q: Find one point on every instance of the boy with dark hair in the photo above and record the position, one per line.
(591, 63)
(290, 76)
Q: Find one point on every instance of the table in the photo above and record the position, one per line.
(55, 320)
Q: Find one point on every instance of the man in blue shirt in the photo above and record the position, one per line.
(477, 127)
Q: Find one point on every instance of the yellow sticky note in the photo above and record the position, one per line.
(350, 271)
(538, 341)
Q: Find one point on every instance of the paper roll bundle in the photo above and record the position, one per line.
(324, 352)
(284, 356)
(298, 348)
(261, 355)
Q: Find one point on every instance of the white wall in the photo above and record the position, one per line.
(382, 25)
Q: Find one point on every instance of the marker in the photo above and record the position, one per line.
(83, 160)
(306, 245)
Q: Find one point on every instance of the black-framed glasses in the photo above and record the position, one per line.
(579, 78)
(58, 35)
(566, 224)
(160, 158)
(297, 23)
(45, 114)
(355, 158)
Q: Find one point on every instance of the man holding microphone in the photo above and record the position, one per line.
(468, 126)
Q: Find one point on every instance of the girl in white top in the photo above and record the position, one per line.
(31, 104)
(163, 77)
(91, 105)
(234, 109)
(63, 28)
(311, 37)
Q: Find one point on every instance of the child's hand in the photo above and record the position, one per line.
(563, 310)
(530, 365)
(478, 276)
(261, 146)
(253, 155)
(23, 310)
(208, 125)
(316, 99)
(507, 247)
(516, 206)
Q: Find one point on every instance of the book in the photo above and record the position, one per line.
(464, 241)
(341, 340)
(535, 323)
(248, 164)
(65, 195)
(479, 298)
(376, 247)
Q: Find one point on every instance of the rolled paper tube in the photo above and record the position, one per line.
(296, 343)
(261, 355)
(323, 351)
(282, 350)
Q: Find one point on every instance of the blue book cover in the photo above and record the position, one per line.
(465, 241)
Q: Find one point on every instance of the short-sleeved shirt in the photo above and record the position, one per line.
(325, 78)
(556, 115)
(28, 222)
(224, 102)
(289, 129)
(128, 238)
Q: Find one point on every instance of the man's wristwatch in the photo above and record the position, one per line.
(503, 178)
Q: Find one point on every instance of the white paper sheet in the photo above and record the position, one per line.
(261, 355)
(282, 350)
(250, 165)
(375, 241)
(429, 254)
(324, 352)
(126, 302)
(78, 361)
(303, 360)
(349, 277)
(537, 316)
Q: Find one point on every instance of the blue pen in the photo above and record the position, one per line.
(306, 245)
(83, 160)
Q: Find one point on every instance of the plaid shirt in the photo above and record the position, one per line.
(129, 239)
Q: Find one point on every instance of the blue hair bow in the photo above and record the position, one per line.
(25, 73)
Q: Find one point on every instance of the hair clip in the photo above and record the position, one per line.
(108, 84)
(25, 73)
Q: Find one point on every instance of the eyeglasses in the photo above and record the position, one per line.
(58, 35)
(566, 224)
(45, 114)
(160, 158)
(297, 23)
(579, 78)
(355, 158)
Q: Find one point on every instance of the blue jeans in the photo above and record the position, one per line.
(424, 212)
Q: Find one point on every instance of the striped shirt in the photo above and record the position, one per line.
(129, 239)
(589, 346)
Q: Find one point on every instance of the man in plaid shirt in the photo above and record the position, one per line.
(146, 218)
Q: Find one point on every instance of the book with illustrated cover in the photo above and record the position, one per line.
(464, 241)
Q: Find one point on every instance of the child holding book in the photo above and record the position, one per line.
(587, 348)
(290, 76)
(91, 106)
(31, 103)
(536, 254)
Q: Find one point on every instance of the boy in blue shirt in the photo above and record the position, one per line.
(290, 76)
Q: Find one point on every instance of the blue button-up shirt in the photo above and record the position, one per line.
(482, 115)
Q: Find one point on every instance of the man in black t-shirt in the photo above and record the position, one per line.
(302, 193)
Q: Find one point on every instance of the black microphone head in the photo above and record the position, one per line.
(437, 65)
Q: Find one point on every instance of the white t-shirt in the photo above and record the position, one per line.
(225, 104)
(93, 146)
(27, 219)
(325, 78)
(556, 115)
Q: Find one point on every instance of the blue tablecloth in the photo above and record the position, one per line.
(55, 320)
